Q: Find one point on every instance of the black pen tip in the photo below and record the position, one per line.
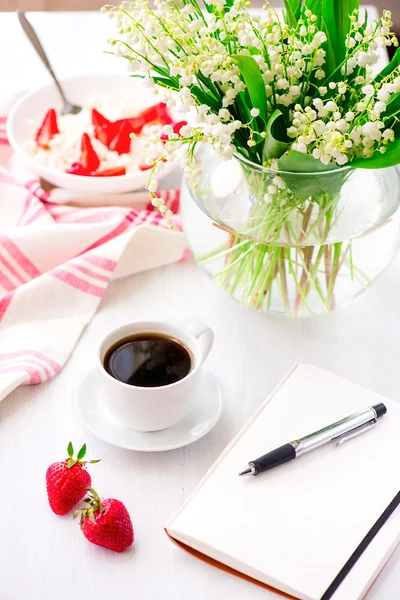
(380, 409)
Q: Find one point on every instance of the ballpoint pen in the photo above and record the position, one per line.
(341, 431)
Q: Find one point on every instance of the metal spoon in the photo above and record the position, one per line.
(33, 38)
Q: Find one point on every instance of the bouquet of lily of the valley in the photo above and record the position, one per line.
(289, 96)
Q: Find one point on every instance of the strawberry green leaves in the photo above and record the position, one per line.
(252, 77)
(82, 452)
(273, 147)
(70, 450)
(71, 461)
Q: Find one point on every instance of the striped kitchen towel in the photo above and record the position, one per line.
(56, 262)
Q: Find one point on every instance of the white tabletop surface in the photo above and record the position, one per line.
(45, 557)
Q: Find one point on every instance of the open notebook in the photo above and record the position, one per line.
(293, 528)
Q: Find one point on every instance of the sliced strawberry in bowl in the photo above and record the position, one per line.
(104, 130)
(144, 167)
(157, 114)
(78, 169)
(178, 126)
(135, 124)
(48, 129)
(114, 172)
(122, 141)
(89, 158)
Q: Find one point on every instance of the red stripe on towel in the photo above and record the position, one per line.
(78, 283)
(99, 261)
(19, 257)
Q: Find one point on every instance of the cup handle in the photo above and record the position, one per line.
(204, 334)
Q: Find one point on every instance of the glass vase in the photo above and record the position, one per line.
(295, 244)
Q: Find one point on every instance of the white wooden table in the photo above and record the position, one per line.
(42, 556)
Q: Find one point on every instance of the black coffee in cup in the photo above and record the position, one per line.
(148, 360)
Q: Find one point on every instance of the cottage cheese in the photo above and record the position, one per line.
(65, 147)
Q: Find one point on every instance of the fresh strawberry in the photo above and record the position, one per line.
(77, 169)
(116, 135)
(177, 126)
(104, 130)
(67, 481)
(89, 158)
(135, 124)
(157, 114)
(106, 523)
(48, 129)
(114, 172)
(122, 141)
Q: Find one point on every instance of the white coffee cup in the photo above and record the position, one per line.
(154, 408)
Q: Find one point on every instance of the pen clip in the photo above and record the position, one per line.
(341, 439)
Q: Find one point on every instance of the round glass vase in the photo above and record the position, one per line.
(295, 244)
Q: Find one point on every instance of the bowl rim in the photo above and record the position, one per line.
(18, 149)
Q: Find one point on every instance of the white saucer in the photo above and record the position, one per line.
(206, 411)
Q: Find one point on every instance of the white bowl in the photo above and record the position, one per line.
(79, 90)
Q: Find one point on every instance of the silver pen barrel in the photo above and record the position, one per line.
(332, 432)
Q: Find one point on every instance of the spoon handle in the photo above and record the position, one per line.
(33, 38)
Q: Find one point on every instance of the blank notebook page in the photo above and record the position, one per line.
(294, 527)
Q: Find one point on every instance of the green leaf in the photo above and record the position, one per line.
(205, 98)
(94, 461)
(330, 61)
(71, 462)
(335, 22)
(243, 104)
(329, 19)
(290, 13)
(94, 493)
(273, 148)
(381, 161)
(82, 452)
(308, 176)
(91, 515)
(164, 82)
(343, 11)
(70, 450)
(394, 63)
(391, 158)
(254, 82)
(293, 11)
(393, 107)
(298, 162)
(316, 8)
